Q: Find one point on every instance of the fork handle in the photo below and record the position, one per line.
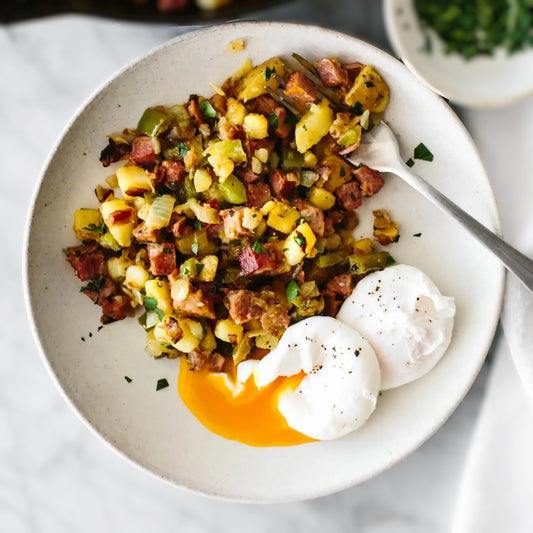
(516, 262)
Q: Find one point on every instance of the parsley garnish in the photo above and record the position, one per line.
(166, 250)
(300, 240)
(150, 304)
(98, 229)
(292, 290)
(304, 127)
(358, 108)
(128, 379)
(369, 84)
(410, 162)
(417, 234)
(342, 172)
(161, 384)
(183, 148)
(197, 224)
(422, 152)
(199, 268)
(273, 120)
(194, 248)
(268, 73)
(258, 248)
(207, 109)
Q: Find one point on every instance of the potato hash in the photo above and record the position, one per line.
(228, 218)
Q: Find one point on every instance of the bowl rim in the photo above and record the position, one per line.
(310, 494)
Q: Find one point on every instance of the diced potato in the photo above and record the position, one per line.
(242, 350)
(160, 290)
(262, 154)
(266, 341)
(153, 346)
(136, 277)
(228, 331)
(134, 180)
(253, 83)
(321, 198)
(116, 267)
(197, 243)
(193, 333)
(227, 149)
(299, 243)
(256, 126)
(122, 231)
(204, 269)
(363, 246)
(237, 45)
(313, 126)
(251, 218)
(282, 218)
(180, 289)
(209, 342)
(369, 90)
(235, 112)
(385, 229)
(87, 224)
(339, 173)
(310, 160)
(202, 179)
(224, 169)
(256, 166)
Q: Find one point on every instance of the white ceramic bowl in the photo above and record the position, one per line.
(483, 81)
(154, 429)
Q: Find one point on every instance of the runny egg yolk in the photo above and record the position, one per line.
(245, 414)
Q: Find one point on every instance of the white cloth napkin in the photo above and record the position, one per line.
(497, 487)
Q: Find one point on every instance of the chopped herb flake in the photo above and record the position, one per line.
(98, 229)
(417, 234)
(166, 250)
(207, 109)
(410, 162)
(161, 384)
(128, 379)
(300, 240)
(422, 152)
(197, 224)
(369, 84)
(268, 73)
(292, 290)
(199, 268)
(183, 148)
(258, 248)
(150, 303)
(273, 120)
(358, 108)
(159, 313)
(342, 172)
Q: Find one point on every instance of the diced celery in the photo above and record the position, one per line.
(233, 191)
(328, 260)
(153, 122)
(292, 159)
(361, 264)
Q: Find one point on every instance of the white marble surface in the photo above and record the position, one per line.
(56, 476)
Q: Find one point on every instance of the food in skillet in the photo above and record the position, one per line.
(230, 221)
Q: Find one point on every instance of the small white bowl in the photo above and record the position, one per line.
(483, 81)
(154, 429)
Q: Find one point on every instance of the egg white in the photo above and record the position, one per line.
(406, 319)
(340, 389)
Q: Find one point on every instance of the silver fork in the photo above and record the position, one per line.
(379, 150)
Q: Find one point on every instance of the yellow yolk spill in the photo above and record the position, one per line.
(250, 416)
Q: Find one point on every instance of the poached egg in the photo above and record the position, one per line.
(406, 319)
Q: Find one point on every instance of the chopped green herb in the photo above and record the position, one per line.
(417, 234)
(98, 229)
(199, 268)
(99, 328)
(207, 109)
(159, 313)
(83, 339)
(422, 152)
(304, 127)
(342, 172)
(358, 108)
(292, 290)
(369, 84)
(183, 148)
(128, 379)
(150, 303)
(301, 220)
(291, 119)
(300, 240)
(166, 250)
(273, 120)
(194, 248)
(197, 224)
(161, 384)
(410, 162)
(352, 196)
(258, 248)
(268, 73)
(65, 251)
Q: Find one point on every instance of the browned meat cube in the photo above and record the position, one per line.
(331, 73)
(87, 261)
(370, 180)
(300, 88)
(162, 258)
(244, 305)
(349, 195)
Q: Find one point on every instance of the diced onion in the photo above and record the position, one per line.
(160, 212)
